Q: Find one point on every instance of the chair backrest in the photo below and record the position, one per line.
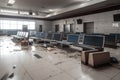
(110, 38)
(43, 35)
(94, 40)
(117, 35)
(26, 34)
(50, 36)
(38, 34)
(57, 36)
(74, 38)
(18, 33)
(32, 33)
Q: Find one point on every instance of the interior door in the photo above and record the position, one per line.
(88, 27)
(56, 28)
(71, 28)
(40, 28)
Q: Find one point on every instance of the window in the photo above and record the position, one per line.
(9, 11)
(17, 25)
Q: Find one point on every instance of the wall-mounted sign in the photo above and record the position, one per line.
(115, 24)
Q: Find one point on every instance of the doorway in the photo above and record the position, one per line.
(56, 28)
(88, 27)
(40, 28)
(71, 28)
(68, 28)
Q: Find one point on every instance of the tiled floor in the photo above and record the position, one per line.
(54, 65)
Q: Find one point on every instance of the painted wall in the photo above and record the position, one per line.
(47, 25)
(103, 22)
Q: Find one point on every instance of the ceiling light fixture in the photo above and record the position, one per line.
(51, 10)
(11, 2)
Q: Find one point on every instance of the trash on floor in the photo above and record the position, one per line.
(17, 50)
(50, 49)
(113, 60)
(4, 77)
(58, 63)
(11, 75)
(37, 56)
(14, 67)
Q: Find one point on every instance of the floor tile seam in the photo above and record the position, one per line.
(115, 76)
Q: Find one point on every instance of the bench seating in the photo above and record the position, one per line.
(71, 40)
(92, 42)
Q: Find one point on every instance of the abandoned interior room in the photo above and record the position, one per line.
(59, 39)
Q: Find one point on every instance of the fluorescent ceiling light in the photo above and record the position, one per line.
(82, 0)
(51, 10)
(11, 1)
(24, 12)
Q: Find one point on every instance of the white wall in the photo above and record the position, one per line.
(47, 25)
(103, 22)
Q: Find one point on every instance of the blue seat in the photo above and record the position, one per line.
(92, 42)
(74, 38)
(50, 36)
(117, 36)
(57, 36)
(111, 41)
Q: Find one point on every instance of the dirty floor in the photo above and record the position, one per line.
(37, 63)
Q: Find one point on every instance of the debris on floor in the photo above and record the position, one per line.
(116, 65)
(17, 50)
(74, 55)
(58, 63)
(50, 49)
(14, 67)
(4, 77)
(55, 53)
(11, 75)
(37, 56)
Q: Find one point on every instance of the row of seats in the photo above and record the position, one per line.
(20, 36)
(93, 43)
(47, 37)
(89, 42)
(111, 40)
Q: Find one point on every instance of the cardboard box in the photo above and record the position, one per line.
(97, 59)
(85, 56)
(24, 43)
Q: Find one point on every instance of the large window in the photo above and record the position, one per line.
(18, 25)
